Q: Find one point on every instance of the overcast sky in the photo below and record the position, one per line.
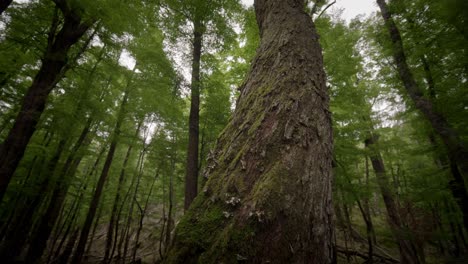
(351, 8)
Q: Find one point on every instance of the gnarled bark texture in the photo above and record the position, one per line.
(268, 194)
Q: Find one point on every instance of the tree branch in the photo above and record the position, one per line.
(325, 9)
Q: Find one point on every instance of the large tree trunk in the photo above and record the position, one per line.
(54, 62)
(191, 175)
(268, 194)
(408, 254)
(457, 150)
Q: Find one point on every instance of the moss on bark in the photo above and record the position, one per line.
(268, 194)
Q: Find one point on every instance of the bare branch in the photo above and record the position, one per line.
(325, 9)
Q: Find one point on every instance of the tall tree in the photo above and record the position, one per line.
(191, 174)
(456, 148)
(206, 18)
(268, 195)
(54, 61)
(78, 257)
(408, 252)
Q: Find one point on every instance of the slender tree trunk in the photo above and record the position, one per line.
(142, 217)
(457, 184)
(20, 231)
(93, 233)
(408, 254)
(163, 251)
(367, 206)
(68, 224)
(456, 148)
(458, 191)
(53, 63)
(47, 223)
(113, 218)
(347, 229)
(4, 5)
(128, 230)
(21, 200)
(131, 192)
(170, 221)
(78, 257)
(191, 176)
(63, 259)
(268, 195)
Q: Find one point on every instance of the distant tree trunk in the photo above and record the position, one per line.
(367, 209)
(68, 224)
(48, 220)
(20, 199)
(170, 221)
(457, 150)
(113, 219)
(78, 257)
(63, 259)
(54, 62)
(268, 194)
(128, 230)
(191, 176)
(93, 233)
(142, 217)
(4, 5)
(408, 252)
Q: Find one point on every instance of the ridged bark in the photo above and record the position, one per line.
(268, 194)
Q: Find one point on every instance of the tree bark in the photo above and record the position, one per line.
(53, 63)
(191, 175)
(456, 148)
(408, 254)
(4, 5)
(268, 194)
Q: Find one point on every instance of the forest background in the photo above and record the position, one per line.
(112, 153)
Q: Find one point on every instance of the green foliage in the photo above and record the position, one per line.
(365, 91)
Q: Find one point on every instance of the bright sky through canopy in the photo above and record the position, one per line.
(351, 8)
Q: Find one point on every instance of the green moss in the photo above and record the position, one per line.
(267, 191)
(256, 124)
(197, 226)
(196, 230)
(231, 246)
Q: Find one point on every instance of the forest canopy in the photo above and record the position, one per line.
(206, 131)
